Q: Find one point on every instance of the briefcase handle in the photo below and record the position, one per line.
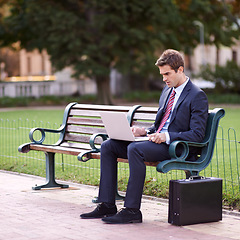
(191, 178)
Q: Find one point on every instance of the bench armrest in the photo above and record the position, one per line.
(185, 149)
(43, 135)
(86, 155)
(93, 138)
(25, 148)
(179, 162)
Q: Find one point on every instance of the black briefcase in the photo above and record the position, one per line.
(195, 200)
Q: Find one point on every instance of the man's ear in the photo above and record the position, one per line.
(180, 69)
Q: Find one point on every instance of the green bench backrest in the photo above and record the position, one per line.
(207, 148)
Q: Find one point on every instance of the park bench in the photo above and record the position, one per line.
(82, 133)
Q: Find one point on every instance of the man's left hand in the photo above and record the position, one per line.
(157, 137)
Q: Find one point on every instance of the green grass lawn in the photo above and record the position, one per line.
(51, 115)
(231, 119)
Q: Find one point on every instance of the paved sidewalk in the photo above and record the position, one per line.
(54, 214)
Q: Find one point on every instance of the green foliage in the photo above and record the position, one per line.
(94, 36)
(14, 102)
(226, 78)
(131, 97)
(225, 98)
(232, 201)
(141, 96)
(44, 101)
(153, 188)
(153, 97)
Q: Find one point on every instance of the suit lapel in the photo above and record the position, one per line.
(183, 95)
(162, 104)
(163, 100)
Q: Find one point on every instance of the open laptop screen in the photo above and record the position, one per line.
(117, 126)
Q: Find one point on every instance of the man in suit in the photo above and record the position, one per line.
(182, 115)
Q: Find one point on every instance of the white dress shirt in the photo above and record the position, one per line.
(178, 91)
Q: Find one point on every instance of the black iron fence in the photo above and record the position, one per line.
(224, 164)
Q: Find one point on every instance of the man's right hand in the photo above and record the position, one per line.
(138, 132)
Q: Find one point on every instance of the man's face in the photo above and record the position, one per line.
(170, 77)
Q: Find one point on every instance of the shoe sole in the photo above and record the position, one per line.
(132, 221)
(91, 217)
(102, 216)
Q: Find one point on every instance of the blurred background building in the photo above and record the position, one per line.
(31, 74)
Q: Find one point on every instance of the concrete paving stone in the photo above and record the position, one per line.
(54, 214)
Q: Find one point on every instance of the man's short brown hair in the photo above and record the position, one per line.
(172, 58)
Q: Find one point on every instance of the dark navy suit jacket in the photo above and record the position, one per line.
(188, 122)
(189, 116)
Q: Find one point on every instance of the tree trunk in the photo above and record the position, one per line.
(103, 90)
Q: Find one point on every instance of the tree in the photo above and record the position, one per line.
(93, 36)
(226, 78)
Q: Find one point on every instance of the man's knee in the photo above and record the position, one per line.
(134, 149)
(106, 145)
(109, 145)
(131, 147)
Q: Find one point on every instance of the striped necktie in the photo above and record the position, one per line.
(168, 110)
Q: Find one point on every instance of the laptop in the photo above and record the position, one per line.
(117, 127)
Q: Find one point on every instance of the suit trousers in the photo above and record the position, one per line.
(136, 153)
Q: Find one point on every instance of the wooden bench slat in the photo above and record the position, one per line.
(85, 121)
(144, 116)
(81, 146)
(75, 149)
(80, 138)
(141, 124)
(56, 149)
(77, 138)
(147, 110)
(84, 130)
(101, 107)
(87, 113)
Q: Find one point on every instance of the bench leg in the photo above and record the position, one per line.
(117, 197)
(50, 174)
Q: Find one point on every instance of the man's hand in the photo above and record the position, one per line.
(137, 132)
(157, 137)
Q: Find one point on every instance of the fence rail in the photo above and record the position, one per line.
(224, 164)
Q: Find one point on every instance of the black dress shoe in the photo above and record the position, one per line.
(125, 215)
(102, 210)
